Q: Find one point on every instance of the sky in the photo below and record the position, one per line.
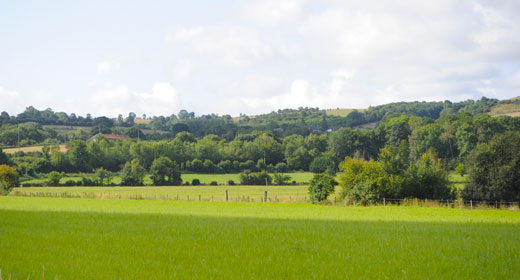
(251, 57)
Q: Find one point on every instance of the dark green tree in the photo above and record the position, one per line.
(322, 185)
(165, 172)
(494, 170)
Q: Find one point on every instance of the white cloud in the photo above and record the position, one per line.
(106, 66)
(255, 86)
(228, 45)
(183, 69)
(12, 101)
(109, 102)
(272, 12)
(161, 100)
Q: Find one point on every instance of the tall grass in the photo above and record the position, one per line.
(125, 239)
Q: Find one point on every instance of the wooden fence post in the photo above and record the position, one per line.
(226, 195)
(471, 204)
(265, 196)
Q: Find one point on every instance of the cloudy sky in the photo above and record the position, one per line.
(231, 57)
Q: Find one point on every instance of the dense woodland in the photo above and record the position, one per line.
(306, 139)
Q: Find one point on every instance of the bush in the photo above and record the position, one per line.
(54, 178)
(87, 182)
(494, 170)
(390, 177)
(322, 164)
(195, 182)
(281, 179)
(281, 167)
(8, 178)
(70, 183)
(213, 183)
(255, 178)
(165, 172)
(231, 182)
(132, 174)
(322, 185)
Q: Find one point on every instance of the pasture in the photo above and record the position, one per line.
(341, 112)
(512, 110)
(221, 179)
(291, 193)
(67, 238)
(30, 149)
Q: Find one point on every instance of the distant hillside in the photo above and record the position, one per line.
(510, 107)
(341, 112)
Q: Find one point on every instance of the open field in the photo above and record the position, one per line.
(221, 179)
(340, 112)
(296, 193)
(68, 238)
(62, 148)
(512, 110)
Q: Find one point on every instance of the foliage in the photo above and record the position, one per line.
(281, 179)
(165, 172)
(362, 181)
(322, 185)
(195, 182)
(461, 169)
(54, 178)
(494, 170)
(394, 176)
(8, 178)
(255, 178)
(321, 164)
(103, 177)
(132, 174)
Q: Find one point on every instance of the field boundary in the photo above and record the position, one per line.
(265, 198)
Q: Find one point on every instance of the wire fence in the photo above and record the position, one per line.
(266, 197)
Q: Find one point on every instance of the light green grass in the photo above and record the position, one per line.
(297, 193)
(221, 179)
(125, 239)
(459, 182)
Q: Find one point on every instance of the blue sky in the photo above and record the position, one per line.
(251, 57)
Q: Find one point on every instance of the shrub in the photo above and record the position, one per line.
(70, 183)
(165, 172)
(8, 178)
(281, 167)
(255, 178)
(213, 183)
(195, 182)
(281, 179)
(231, 182)
(132, 174)
(321, 186)
(322, 164)
(54, 178)
(87, 182)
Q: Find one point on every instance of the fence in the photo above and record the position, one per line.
(227, 196)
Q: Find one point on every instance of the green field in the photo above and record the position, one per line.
(296, 193)
(67, 238)
(221, 179)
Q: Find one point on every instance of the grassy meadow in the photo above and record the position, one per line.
(221, 179)
(291, 193)
(68, 238)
